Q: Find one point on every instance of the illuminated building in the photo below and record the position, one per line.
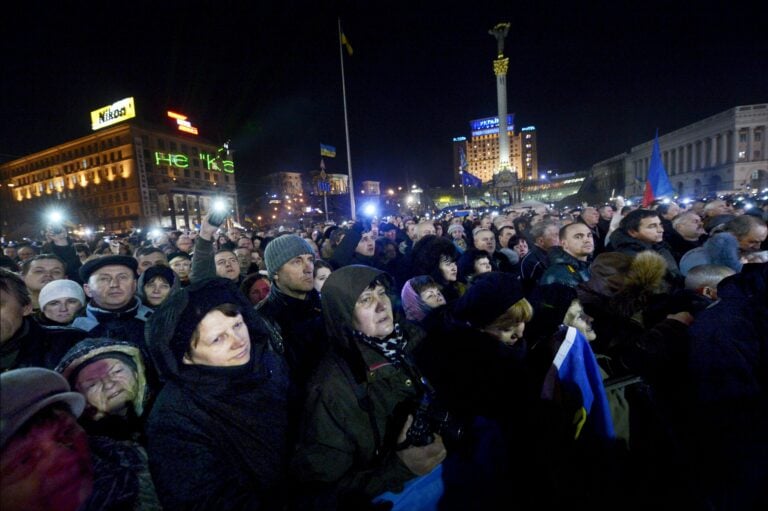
(482, 150)
(126, 174)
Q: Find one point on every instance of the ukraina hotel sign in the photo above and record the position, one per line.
(112, 114)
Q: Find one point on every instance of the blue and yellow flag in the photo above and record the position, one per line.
(327, 150)
(345, 44)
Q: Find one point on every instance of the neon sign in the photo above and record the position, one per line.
(112, 114)
(490, 125)
(182, 123)
(181, 161)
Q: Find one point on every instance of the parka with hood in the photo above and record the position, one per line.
(217, 435)
(346, 449)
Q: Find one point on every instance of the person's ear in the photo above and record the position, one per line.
(186, 360)
(709, 292)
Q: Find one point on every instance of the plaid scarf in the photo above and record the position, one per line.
(391, 346)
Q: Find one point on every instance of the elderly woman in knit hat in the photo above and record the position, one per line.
(60, 301)
(218, 430)
(111, 375)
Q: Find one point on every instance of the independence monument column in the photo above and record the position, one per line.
(500, 66)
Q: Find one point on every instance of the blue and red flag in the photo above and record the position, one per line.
(658, 183)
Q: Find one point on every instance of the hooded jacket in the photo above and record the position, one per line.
(351, 414)
(84, 352)
(217, 435)
(721, 249)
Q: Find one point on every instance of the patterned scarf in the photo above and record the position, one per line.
(391, 346)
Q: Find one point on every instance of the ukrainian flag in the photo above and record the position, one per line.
(327, 150)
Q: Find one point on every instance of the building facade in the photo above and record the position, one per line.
(128, 175)
(483, 148)
(724, 153)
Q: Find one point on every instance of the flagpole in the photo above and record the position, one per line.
(463, 190)
(346, 129)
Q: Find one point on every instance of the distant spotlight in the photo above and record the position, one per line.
(747, 205)
(629, 203)
(219, 206)
(665, 201)
(55, 216)
(369, 209)
(687, 201)
(88, 231)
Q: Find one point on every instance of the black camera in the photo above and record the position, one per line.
(428, 420)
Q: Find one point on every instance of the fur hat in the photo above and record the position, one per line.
(61, 288)
(489, 296)
(26, 391)
(93, 265)
(284, 248)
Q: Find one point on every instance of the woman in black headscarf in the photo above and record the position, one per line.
(217, 433)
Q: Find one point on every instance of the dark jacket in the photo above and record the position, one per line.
(351, 416)
(300, 324)
(679, 245)
(564, 269)
(532, 267)
(217, 435)
(34, 345)
(622, 242)
(728, 366)
(126, 324)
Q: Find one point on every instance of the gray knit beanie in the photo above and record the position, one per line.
(282, 249)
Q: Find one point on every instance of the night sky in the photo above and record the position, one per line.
(593, 80)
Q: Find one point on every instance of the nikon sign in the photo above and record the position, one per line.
(112, 114)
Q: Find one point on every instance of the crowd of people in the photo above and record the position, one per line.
(609, 355)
